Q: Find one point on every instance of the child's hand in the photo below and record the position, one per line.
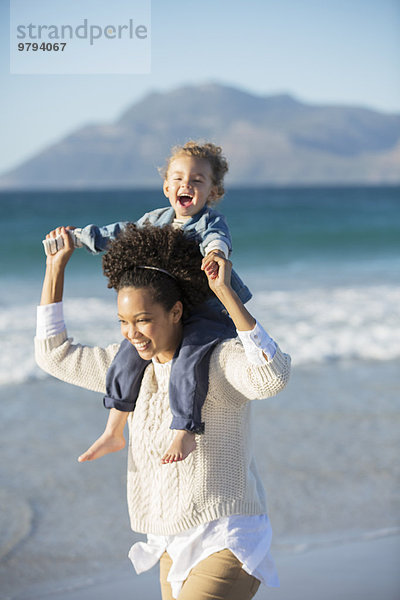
(209, 265)
(69, 227)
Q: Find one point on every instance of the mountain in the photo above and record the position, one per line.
(275, 140)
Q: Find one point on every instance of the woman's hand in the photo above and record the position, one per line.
(53, 284)
(62, 256)
(218, 270)
(219, 281)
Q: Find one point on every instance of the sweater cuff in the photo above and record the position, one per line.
(256, 343)
(50, 320)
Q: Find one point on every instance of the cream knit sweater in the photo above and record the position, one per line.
(220, 477)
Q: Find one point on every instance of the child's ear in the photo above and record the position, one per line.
(213, 195)
(165, 188)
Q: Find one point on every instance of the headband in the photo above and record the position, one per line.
(157, 269)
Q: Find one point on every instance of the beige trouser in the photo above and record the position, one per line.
(217, 577)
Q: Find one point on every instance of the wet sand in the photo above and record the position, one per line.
(358, 570)
(327, 451)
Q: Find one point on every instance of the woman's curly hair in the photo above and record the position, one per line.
(162, 247)
(206, 151)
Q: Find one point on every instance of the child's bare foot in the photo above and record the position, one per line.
(184, 443)
(105, 444)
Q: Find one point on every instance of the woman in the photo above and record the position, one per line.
(205, 517)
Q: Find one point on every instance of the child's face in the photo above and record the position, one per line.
(188, 185)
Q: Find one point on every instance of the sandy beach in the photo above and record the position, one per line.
(355, 570)
(328, 461)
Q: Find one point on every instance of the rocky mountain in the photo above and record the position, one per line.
(269, 140)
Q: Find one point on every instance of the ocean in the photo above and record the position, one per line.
(324, 268)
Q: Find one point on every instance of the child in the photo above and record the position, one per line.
(193, 181)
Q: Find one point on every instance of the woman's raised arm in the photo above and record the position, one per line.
(221, 286)
(218, 270)
(53, 284)
(55, 353)
(259, 376)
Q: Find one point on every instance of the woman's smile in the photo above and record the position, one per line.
(141, 346)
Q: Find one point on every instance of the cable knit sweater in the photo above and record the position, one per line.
(220, 477)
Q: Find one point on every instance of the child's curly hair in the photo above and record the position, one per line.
(207, 151)
(162, 247)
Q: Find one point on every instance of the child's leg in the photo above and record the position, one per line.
(123, 381)
(189, 377)
(184, 443)
(124, 378)
(111, 440)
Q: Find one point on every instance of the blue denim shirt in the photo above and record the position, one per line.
(206, 226)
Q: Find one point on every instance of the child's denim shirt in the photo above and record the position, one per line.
(206, 226)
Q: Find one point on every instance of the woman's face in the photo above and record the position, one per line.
(154, 331)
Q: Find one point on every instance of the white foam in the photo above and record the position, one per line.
(90, 321)
(325, 324)
(314, 325)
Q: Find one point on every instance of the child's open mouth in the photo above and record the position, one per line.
(185, 200)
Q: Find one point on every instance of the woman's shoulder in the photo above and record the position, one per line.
(226, 349)
(226, 354)
(230, 365)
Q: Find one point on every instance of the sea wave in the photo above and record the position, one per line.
(315, 325)
(337, 539)
(331, 324)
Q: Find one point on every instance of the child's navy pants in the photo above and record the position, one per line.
(188, 384)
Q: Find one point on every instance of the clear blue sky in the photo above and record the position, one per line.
(321, 51)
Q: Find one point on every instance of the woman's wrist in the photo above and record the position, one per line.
(53, 285)
(54, 269)
(225, 293)
(228, 297)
